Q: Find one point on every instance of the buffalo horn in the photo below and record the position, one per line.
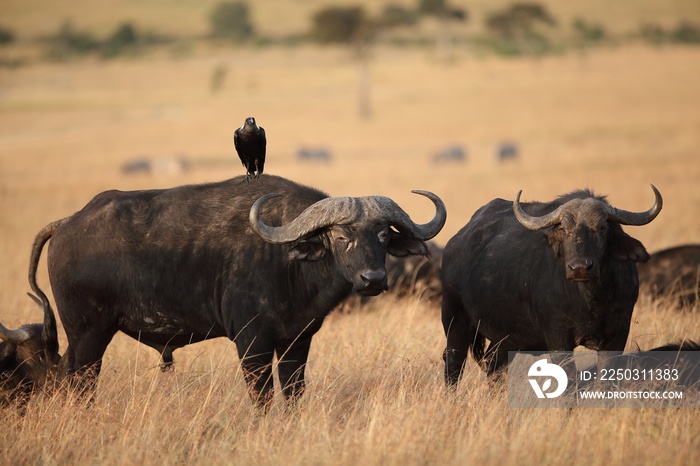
(400, 219)
(345, 210)
(14, 336)
(535, 223)
(625, 217)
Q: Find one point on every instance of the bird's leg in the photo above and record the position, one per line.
(257, 170)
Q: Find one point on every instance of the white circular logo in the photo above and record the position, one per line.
(547, 371)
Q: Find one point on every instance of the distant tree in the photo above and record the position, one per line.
(445, 15)
(6, 36)
(588, 33)
(397, 15)
(517, 26)
(231, 20)
(686, 33)
(441, 9)
(432, 7)
(653, 33)
(340, 24)
(124, 39)
(67, 42)
(520, 19)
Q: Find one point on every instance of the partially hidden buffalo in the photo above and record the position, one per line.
(540, 277)
(260, 263)
(673, 274)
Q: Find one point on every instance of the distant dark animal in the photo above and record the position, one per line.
(162, 165)
(451, 154)
(320, 154)
(251, 144)
(507, 151)
(673, 273)
(177, 266)
(137, 166)
(540, 277)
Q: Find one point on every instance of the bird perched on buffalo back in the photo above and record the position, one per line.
(250, 144)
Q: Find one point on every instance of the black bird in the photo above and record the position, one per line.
(250, 142)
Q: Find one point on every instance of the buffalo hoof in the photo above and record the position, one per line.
(167, 366)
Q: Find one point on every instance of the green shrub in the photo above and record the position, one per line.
(432, 7)
(589, 32)
(686, 33)
(231, 20)
(339, 24)
(516, 29)
(123, 40)
(6, 36)
(397, 15)
(67, 42)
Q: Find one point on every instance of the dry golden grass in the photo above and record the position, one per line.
(614, 121)
(375, 397)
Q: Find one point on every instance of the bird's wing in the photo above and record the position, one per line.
(263, 139)
(235, 138)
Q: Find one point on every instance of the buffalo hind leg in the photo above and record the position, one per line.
(292, 360)
(85, 361)
(459, 333)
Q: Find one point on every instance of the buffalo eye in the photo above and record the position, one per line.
(383, 236)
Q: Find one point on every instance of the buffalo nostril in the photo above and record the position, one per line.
(581, 264)
(373, 276)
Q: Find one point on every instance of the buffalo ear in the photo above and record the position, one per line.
(625, 248)
(307, 251)
(402, 245)
(555, 239)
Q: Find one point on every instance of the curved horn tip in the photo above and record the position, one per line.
(657, 194)
(269, 196)
(430, 195)
(431, 229)
(36, 299)
(517, 196)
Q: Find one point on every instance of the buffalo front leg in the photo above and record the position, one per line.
(257, 370)
(292, 363)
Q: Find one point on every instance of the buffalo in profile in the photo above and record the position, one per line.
(260, 263)
(540, 277)
(455, 153)
(673, 273)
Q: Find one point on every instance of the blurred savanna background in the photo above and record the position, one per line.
(472, 100)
